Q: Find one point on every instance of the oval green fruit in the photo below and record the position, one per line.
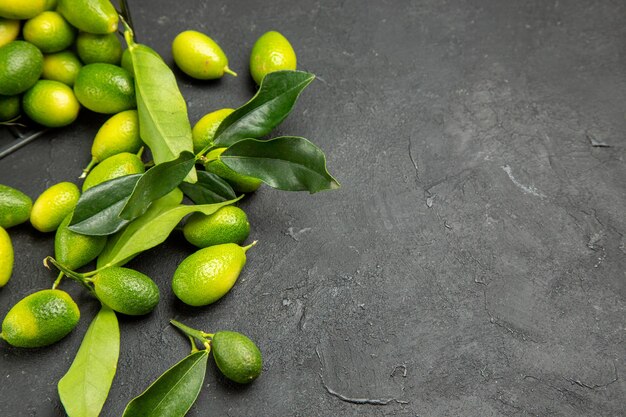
(227, 225)
(49, 32)
(115, 166)
(22, 9)
(271, 52)
(51, 103)
(15, 206)
(204, 130)
(236, 356)
(94, 48)
(21, 65)
(74, 250)
(9, 107)
(93, 16)
(6, 257)
(62, 66)
(40, 319)
(199, 56)
(239, 182)
(126, 291)
(105, 88)
(53, 205)
(9, 30)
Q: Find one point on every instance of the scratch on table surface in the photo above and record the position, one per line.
(528, 189)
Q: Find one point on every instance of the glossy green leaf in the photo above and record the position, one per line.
(174, 392)
(147, 232)
(97, 210)
(85, 386)
(288, 163)
(210, 188)
(157, 182)
(163, 120)
(171, 200)
(267, 109)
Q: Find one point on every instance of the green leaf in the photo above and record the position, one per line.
(270, 106)
(150, 230)
(171, 200)
(85, 387)
(174, 392)
(210, 188)
(97, 210)
(287, 163)
(163, 120)
(157, 182)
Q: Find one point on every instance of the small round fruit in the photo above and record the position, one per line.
(99, 48)
(207, 275)
(271, 52)
(199, 56)
(9, 107)
(74, 250)
(53, 205)
(51, 103)
(236, 356)
(49, 32)
(115, 166)
(6, 257)
(118, 134)
(227, 225)
(22, 9)
(62, 66)
(126, 291)
(40, 319)
(93, 16)
(21, 64)
(105, 88)
(15, 206)
(204, 130)
(9, 30)
(239, 182)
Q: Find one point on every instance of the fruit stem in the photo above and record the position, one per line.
(58, 280)
(194, 348)
(229, 71)
(81, 278)
(245, 248)
(140, 152)
(93, 162)
(189, 331)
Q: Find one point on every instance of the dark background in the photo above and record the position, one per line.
(473, 262)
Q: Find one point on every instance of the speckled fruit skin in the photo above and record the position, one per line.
(236, 356)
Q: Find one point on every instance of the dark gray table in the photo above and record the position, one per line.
(472, 264)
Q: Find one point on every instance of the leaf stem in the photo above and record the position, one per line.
(93, 162)
(58, 280)
(80, 278)
(190, 332)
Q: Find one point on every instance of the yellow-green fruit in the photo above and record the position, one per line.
(199, 56)
(9, 107)
(118, 134)
(115, 166)
(21, 64)
(40, 319)
(49, 32)
(105, 88)
(203, 132)
(236, 356)
(9, 30)
(6, 257)
(271, 52)
(207, 275)
(51, 103)
(62, 66)
(15, 206)
(126, 291)
(227, 225)
(94, 48)
(239, 182)
(53, 205)
(22, 9)
(93, 16)
(74, 250)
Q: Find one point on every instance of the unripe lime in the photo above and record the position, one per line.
(53, 205)
(227, 225)
(15, 206)
(236, 356)
(62, 66)
(93, 48)
(271, 52)
(6, 257)
(51, 103)
(112, 167)
(203, 131)
(126, 291)
(21, 64)
(49, 32)
(9, 30)
(74, 250)
(239, 182)
(105, 88)
(199, 56)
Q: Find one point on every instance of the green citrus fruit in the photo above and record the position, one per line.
(74, 250)
(227, 225)
(9, 107)
(53, 205)
(40, 319)
(94, 48)
(115, 166)
(239, 182)
(21, 64)
(9, 30)
(22, 9)
(93, 16)
(236, 356)
(61, 66)
(203, 132)
(199, 56)
(6, 257)
(49, 32)
(207, 275)
(51, 4)
(271, 52)
(126, 290)
(105, 88)
(15, 206)
(51, 103)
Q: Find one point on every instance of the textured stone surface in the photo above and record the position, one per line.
(472, 264)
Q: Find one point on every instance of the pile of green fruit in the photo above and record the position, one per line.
(127, 206)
